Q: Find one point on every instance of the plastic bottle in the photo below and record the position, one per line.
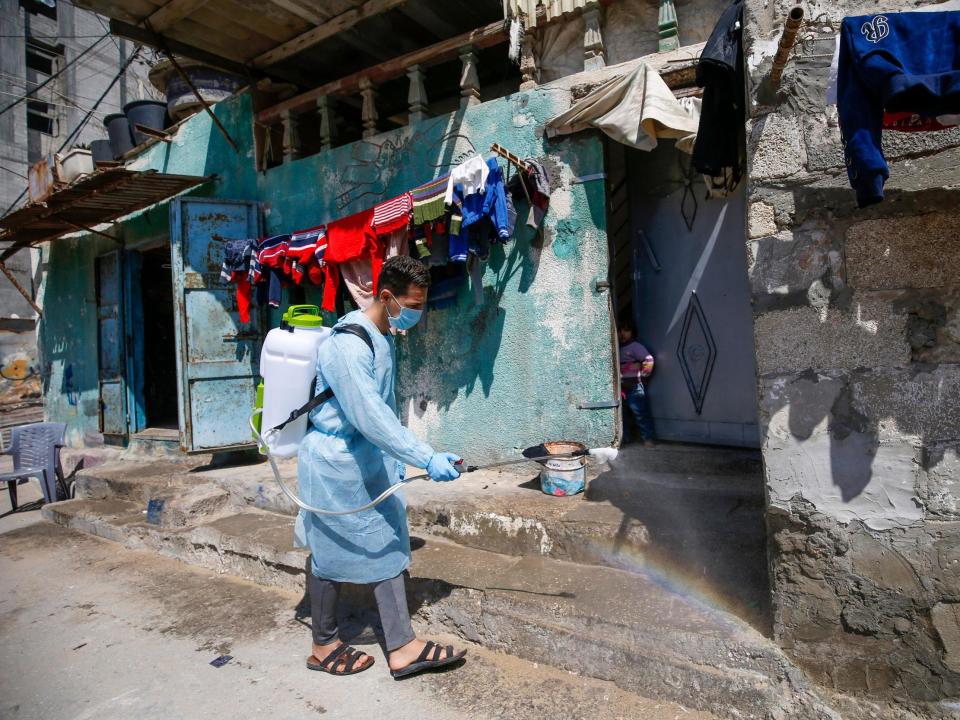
(288, 364)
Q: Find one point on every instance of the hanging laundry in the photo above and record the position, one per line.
(236, 268)
(898, 63)
(427, 200)
(634, 109)
(305, 251)
(358, 276)
(532, 186)
(396, 243)
(471, 175)
(489, 203)
(274, 264)
(392, 214)
(716, 152)
(350, 238)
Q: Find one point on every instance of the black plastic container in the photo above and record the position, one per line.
(118, 128)
(149, 113)
(101, 151)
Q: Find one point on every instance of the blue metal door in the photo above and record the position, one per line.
(217, 354)
(692, 302)
(110, 334)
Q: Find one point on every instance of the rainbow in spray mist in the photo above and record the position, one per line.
(687, 566)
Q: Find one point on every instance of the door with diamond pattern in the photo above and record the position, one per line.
(691, 302)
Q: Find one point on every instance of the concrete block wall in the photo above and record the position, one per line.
(857, 329)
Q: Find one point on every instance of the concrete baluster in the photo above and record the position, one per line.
(417, 95)
(667, 26)
(291, 135)
(368, 112)
(594, 57)
(469, 80)
(327, 121)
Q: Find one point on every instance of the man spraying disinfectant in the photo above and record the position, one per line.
(354, 450)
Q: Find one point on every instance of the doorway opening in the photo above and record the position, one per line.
(159, 344)
(679, 277)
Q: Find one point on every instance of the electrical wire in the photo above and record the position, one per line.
(86, 118)
(54, 76)
(55, 104)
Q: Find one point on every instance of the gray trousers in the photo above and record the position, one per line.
(391, 602)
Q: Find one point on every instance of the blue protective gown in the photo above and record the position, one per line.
(355, 449)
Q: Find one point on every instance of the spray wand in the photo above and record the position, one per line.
(535, 454)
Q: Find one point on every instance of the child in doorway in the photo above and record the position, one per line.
(636, 365)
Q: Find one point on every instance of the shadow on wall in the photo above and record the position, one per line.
(457, 367)
(874, 340)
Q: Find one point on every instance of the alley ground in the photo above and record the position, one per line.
(95, 630)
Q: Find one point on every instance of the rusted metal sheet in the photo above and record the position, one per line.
(218, 355)
(43, 178)
(100, 197)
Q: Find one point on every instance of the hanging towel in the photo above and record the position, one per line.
(358, 275)
(427, 200)
(894, 62)
(634, 109)
(392, 214)
(471, 174)
(349, 238)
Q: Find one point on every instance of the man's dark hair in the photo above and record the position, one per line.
(400, 272)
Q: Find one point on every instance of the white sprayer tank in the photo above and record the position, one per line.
(288, 364)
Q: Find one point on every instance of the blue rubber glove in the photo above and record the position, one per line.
(441, 469)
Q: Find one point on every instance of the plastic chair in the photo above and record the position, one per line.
(36, 454)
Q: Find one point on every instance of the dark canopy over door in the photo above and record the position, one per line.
(217, 354)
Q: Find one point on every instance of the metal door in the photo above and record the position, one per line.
(217, 354)
(113, 415)
(692, 302)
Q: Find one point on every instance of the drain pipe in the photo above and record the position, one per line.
(787, 41)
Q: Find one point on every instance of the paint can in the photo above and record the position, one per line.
(566, 476)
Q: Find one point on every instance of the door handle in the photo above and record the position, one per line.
(241, 336)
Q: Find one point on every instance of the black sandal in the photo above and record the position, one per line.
(343, 654)
(422, 663)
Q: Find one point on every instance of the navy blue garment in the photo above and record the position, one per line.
(898, 62)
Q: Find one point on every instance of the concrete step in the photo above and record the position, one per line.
(627, 627)
(703, 528)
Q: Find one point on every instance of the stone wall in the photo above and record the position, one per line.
(857, 328)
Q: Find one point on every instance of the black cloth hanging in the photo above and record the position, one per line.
(716, 151)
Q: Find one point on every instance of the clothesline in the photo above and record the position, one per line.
(450, 220)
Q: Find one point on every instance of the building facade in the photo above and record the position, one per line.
(782, 317)
(67, 58)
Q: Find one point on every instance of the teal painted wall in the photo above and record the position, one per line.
(479, 379)
(484, 380)
(67, 331)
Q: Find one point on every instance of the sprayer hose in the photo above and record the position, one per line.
(265, 449)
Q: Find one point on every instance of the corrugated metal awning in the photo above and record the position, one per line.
(100, 197)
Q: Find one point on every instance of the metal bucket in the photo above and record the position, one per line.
(563, 477)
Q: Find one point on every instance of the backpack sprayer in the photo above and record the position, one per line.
(285, 398)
